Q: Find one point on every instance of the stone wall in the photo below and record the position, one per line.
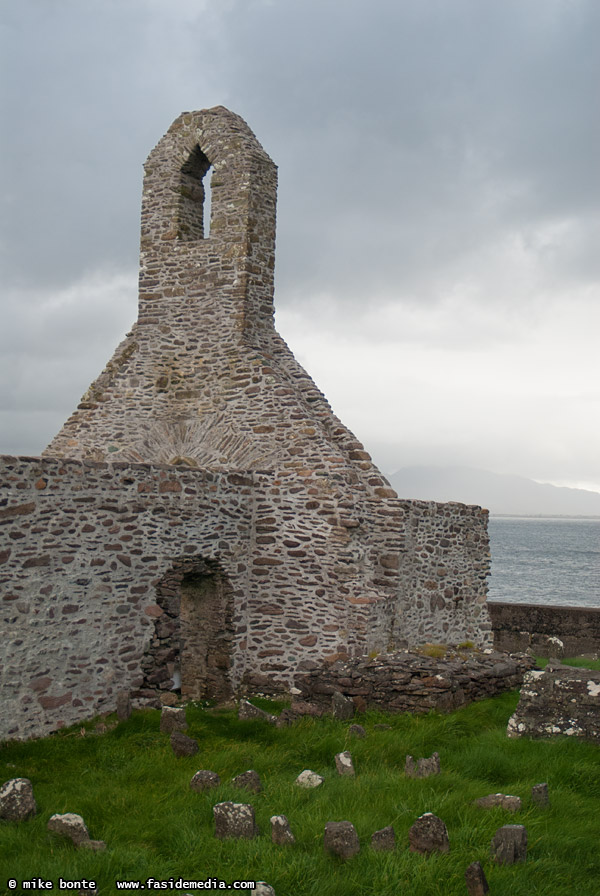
(95, 558)
(545, 630)
(410, 681)
(559, 700)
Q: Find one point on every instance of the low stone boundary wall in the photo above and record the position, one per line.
(543, 630)
(559, 700)
(408, 681)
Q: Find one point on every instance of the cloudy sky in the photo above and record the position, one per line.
(438, 219)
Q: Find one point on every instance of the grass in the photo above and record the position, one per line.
(581, 662)
(134, 794)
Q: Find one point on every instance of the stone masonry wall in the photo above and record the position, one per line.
(92, 557)
(545, 630)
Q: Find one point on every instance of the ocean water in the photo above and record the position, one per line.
(545, 561)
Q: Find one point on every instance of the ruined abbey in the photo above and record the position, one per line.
(203, 520)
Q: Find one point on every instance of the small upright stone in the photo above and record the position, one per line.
(343, 763)
(342, 707)
(234, 820)
(341, 839)
(16, 800)
(429, 834)
(249, 780)
(475, 878)
(499, 801)
(204, 780)
(172, 718)
(182, 745)
(247, 711)
(308, 779)
(123, 706)
(384, 840)
(71, 826)
(509, 844)
(280, 830)
(539, 795)
(356, 731)
(423, 768)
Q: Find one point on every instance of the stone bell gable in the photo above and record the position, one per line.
(203, 520)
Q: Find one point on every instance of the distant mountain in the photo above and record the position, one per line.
(512, 495)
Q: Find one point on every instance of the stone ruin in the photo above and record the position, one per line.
(203, 520)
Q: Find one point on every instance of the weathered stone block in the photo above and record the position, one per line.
(429, 834)
(540, 796)
(341, 839)
(344, 764)
(509, 844)
(247, 711)
(308, 779)
(204, 780)
(342, 707)
(499, 801)
(71, 826)
(16, 800)
(384, 840)
(423, 768)
(234, 820)
(476, 881)
(249, 780)
(280, 830)
(182, 745)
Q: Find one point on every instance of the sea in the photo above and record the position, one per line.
(541, 560)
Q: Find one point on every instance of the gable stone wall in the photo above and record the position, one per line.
(204, 465)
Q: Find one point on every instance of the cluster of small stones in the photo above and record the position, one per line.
(408, 681)
(204, 455)
(558, 700)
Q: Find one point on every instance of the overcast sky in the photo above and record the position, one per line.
(438, 216)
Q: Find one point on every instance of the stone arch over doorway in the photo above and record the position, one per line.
(191, 647)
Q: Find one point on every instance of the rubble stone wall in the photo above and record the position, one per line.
(92, 557)
(408, 681)
(545, 630)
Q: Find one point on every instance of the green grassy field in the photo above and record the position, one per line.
(134, 794)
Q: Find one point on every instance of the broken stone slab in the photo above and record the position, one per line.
(540, 796)
(263, 889)
(341, 839)
(476, 881)
(384, 840)
(247, 711)
(234, 820)
(429, 834)
(499, 801)
(342, 707)
(182, 745)
(16, 800)
(308, 779)
(280, 830)
(344, 765)
(382, 727)
(123, 706)
(249, 780)
(423, 768)
(71, 826)
(509, 844)
(172, 718)
(204, 780)
(357, 731)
